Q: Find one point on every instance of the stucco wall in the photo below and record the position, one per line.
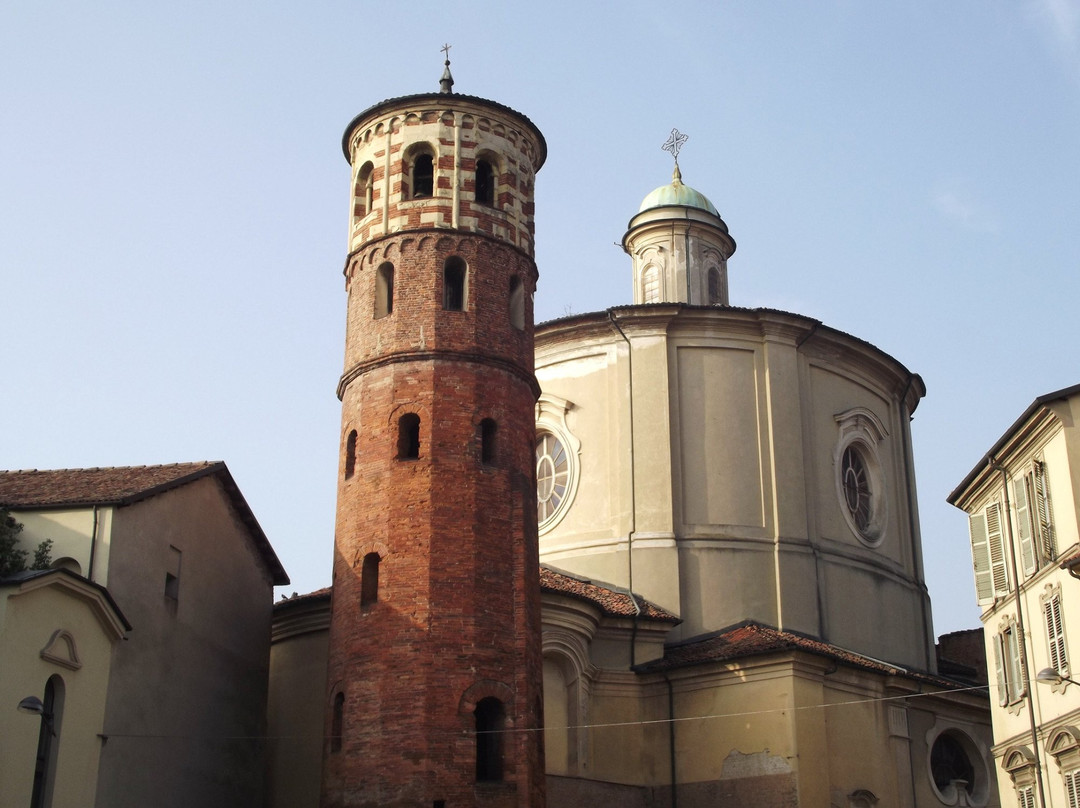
(187, 696)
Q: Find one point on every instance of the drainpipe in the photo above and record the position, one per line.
(671, 741)
(1029, 697)
(633, 501)
(93, 546)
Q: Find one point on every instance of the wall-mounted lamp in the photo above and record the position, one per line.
(1052, 677)
(32, 705)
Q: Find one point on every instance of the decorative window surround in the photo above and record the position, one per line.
(860, 478)
(551, 414)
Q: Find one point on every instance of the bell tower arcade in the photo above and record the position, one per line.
(434, 686)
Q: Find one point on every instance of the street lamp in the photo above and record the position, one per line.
(1050, 676)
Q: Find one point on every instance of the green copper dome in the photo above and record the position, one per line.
(677, 194)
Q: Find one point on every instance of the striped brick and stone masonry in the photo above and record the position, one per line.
(434, 691)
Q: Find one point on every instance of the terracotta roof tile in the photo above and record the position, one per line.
(752, 639)
(615, 604)
(99, 486)
(124, 485)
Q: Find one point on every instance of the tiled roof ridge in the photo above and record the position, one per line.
(96, 484)
(750, 638)
(313, 595)
(126, 485)
(613, 602)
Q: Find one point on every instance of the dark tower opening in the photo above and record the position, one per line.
(384, 290)
(336, 722)
(423, 176)
(517, 303)
(408, 436)
(488, 429)
(485, 183)
(490, 732)
(369, 581)
(350, 454)
(454, 274)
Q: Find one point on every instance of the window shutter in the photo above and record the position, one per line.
(999, 668)
(999, 571)
(1072, 792)
(1025, 797)
(980, 557)
(1024, 526)
(1047, 540)
(1014, 654)
(1055, 633)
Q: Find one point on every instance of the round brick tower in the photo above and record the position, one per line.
(434, 692)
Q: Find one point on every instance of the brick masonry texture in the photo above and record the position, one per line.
(457, 618)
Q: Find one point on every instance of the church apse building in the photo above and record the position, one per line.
(698, 520)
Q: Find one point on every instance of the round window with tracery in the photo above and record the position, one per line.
(855, 480)
(552, 476)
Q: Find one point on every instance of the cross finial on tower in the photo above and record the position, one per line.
(674, 144)
(446, 83)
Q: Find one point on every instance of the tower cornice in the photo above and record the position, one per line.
(441, 101)
(399, 357)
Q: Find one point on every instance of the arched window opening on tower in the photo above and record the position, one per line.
(490, 727)
(488, 429)
(650, 285)
(365, 190)
(336, 721)
(454, 284)
(517, 303)
(350, 454)
(485, 183)
(369, 581)
(716, 295)
(384, 290)
(423, 176)
(408, 436)
(48, 742)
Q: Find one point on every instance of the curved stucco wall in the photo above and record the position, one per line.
(709, 440)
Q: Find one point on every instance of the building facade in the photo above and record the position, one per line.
(180, 715)
(1021, 500)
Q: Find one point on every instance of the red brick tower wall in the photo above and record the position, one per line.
(456, 616)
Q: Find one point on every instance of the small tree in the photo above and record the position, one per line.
(13, 557)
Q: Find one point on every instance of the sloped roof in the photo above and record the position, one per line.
(612, 603)
(124, 485)
(751, 639)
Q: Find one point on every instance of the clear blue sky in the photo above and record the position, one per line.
(175, 200)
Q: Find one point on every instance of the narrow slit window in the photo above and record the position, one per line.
(337, 721)
(485, 183)
(517, 303)
(423, 176)
(488, 430)
(490, 725)
(384, 290)
(454, 284)
(369, 581)
(409, 436)
(350, 454)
